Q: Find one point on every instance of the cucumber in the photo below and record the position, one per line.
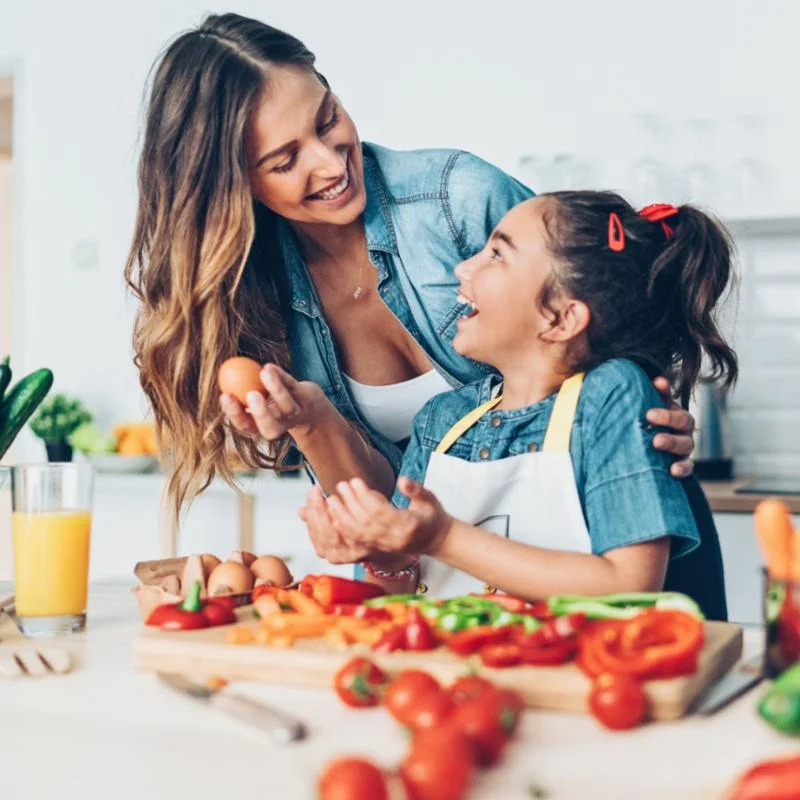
(5, 376)
(20, 403)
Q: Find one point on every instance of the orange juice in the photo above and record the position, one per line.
(51, 562)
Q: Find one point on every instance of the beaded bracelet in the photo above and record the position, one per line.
(408, 572)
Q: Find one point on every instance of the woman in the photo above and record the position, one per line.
(265, 228)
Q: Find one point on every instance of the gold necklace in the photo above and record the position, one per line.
(357, 292)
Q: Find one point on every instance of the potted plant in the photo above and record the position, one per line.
(55, 421)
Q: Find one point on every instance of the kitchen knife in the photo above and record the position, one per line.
(282, 727)
(731, 685)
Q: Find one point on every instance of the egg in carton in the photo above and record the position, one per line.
(168, 580)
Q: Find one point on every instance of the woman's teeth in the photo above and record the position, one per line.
(336, 191)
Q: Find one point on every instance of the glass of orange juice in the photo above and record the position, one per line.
(51, 521)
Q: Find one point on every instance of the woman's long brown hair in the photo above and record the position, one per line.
(204, 262)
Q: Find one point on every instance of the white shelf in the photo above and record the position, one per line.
(777, 225)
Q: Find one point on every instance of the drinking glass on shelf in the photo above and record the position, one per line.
(748, 174)
(648, 172)
(51, 520)
(699, 176)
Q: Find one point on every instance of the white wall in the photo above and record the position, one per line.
(501, 79)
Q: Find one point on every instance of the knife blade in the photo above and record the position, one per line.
(282, 727)
(731, 685)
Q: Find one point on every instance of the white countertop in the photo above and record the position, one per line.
(106, 731)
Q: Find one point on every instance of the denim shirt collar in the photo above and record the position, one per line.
(379, 232)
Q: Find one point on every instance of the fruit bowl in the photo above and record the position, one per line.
(116, 463)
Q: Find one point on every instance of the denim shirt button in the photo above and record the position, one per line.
(496, 422)
(533, 447)
(483, 453)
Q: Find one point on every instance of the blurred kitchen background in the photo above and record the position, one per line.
(690, 99)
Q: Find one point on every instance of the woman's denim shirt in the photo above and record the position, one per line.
(427, 210)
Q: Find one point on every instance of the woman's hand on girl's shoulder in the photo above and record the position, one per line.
(289, 406)
(681, 441)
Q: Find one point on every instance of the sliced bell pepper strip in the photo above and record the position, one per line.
(654, 644)
(392, 599)
(501, 655)
(329, 590)
(393, 639)
(560, 652)
(466, 642)
(776, 779)
(622, 605)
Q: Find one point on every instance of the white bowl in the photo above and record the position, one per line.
(114, 462)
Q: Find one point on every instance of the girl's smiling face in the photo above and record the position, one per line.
(503, 283)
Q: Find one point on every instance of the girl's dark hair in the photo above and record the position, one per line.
(204, 262)
(655, 301)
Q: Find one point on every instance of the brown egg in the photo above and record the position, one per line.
(210, 562)
(230, 578)
(242, 557)
(238, 376)
(272, 570)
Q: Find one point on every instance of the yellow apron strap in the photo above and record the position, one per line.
(556, 440)
(465, 423)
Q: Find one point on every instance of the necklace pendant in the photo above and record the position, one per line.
(357, 293)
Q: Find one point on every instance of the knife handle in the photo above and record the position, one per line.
(282, 727)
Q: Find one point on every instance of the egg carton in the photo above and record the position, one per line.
(167, 580)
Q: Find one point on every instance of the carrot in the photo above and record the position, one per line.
(263, 636)
(304, 604)
(335, 637)
(298, 625)
(240, 635)
(775, 533)
(267, 604)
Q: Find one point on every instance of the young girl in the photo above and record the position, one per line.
(544, 481)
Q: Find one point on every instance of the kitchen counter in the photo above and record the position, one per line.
(108, 731)
(722, 497)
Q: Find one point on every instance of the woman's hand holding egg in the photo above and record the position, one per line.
(268, 400)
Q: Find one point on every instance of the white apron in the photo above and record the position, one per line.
(531, 498)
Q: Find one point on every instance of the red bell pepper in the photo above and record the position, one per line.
(549, 654)
(419, 634)
(393, 639)
(501, 655)
(554, 631)
(360, 611)
(471, 640)
(307, 584)
(193, 613)
(330, 590)
(654, 644)
(777, 779)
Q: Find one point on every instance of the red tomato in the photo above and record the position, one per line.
(409, 685)
(352, 779)
(359, 683)
(469, 687)
(482, 722)
(511, 708)
(617, 701)
(429, 710)
(438, 767)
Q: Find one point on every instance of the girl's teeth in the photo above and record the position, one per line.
(332, 194)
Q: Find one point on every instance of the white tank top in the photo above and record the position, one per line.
(391, 409)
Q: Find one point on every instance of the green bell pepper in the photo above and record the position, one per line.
(780, 706)
(623, 605)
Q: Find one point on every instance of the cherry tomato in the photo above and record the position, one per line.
(359, 683)
(438, 766)
(481, 720)
(429, 710)
(409, 685)
(618, 701)
(469, 687)
(352, 779)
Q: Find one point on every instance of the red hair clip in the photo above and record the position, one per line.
(616, 233)
(658, 212)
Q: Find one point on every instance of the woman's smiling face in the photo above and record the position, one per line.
(303, 151)
(503, 283)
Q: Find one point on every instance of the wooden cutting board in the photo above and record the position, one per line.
(312, 662)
